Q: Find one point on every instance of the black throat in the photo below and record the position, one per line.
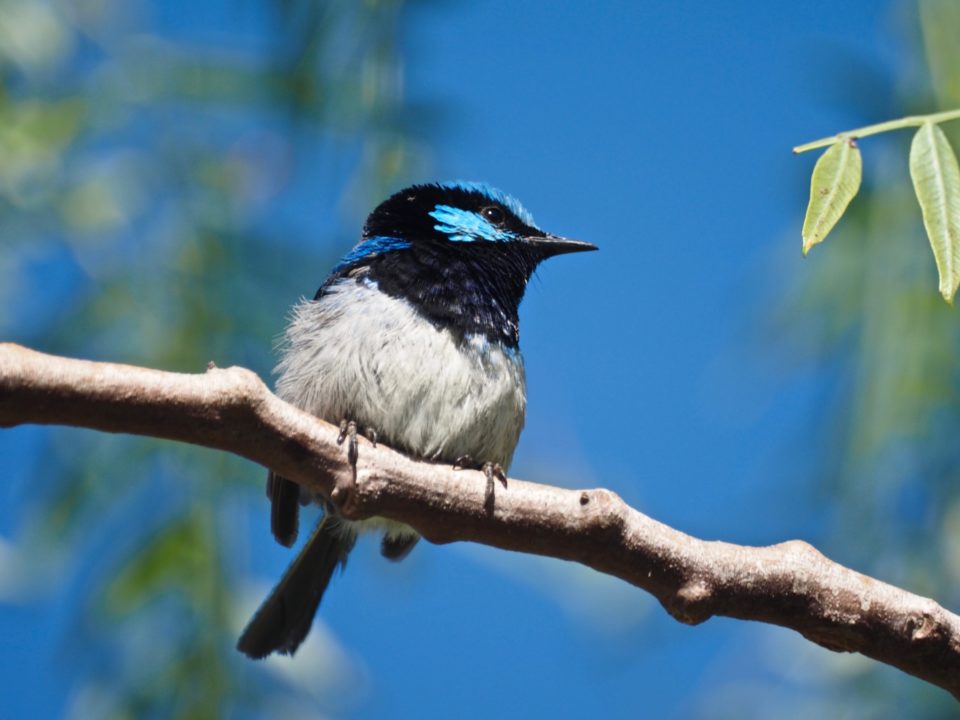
(469, 288)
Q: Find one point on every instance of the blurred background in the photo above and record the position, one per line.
(174, 175)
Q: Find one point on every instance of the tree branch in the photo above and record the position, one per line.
(790, 584)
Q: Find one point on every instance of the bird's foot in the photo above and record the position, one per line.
(494, 471)
(491, 470)
(349, 429)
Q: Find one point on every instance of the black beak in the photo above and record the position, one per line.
(551, 245)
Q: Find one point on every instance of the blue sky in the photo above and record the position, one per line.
(662, 133)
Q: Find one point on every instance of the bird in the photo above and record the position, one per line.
(413, 341)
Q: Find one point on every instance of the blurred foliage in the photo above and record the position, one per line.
(867, 314)
(145, 216)
(151, 211)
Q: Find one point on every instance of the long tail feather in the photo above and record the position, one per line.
(285, 617)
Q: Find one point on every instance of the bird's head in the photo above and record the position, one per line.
(461, 253)
(464, 215)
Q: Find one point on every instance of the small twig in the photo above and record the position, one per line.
(911, 121)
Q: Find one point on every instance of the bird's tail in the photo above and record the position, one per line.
(285, 617)
(284, 508)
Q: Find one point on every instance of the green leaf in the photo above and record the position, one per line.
(173, 556)
(936, 180)
(835, 181)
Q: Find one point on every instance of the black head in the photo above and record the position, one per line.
(461, 253)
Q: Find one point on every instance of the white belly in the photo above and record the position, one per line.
(358, 354)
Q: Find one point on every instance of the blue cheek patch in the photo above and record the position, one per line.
(370, 247)
(466, 226)
(495, 196)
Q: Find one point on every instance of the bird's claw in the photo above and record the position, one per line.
(494, 471)
(349, 431)
(464, 462)
(491, 470)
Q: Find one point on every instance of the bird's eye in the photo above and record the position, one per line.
(494, 215)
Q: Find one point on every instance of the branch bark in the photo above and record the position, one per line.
(790, 584)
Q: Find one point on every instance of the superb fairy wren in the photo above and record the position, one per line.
(413, 341)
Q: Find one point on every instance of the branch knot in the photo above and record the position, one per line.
(691, 604)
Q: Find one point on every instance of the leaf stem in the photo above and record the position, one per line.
(911, 121)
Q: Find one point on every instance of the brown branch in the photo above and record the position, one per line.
(790, 584)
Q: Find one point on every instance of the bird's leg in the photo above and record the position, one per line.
(494, 471)
(491, 471)
(349, 431)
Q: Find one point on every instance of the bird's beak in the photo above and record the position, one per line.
(551, 245)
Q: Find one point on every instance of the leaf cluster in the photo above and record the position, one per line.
(936, 181)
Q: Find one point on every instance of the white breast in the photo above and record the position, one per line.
(359, 354)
